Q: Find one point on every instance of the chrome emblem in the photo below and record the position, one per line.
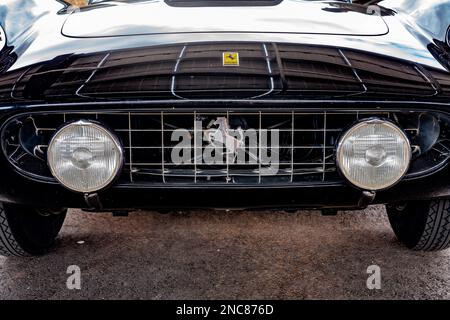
(224, 136)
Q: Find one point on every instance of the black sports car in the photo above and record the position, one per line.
(275, 104)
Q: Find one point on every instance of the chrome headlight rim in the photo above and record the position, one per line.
(359, 124)
(447, 36)
(105, 129)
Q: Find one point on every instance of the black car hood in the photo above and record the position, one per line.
(289, 16)
(197, 72)
(41, 65)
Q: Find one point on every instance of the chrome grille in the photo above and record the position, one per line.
(305, 151)
(310, 157)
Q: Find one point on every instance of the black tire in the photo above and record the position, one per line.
(26, 231)
(422, 225)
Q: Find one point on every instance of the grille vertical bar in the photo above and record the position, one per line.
(227, 151)
(195, 146)
(162, 149)
(259, 149)
(292, 144)
(324, 144)
(130, 145)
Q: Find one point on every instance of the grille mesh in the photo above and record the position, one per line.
(304, 152)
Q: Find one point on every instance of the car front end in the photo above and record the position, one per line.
(225, 104)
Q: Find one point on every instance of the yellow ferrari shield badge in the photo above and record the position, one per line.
(231, 59)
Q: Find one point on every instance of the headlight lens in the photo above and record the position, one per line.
(374, 154)
(84, 156)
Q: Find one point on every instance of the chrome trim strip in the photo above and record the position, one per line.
(172, 87)
(100, 64)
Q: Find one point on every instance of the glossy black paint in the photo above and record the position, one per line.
(297, 72)
(42, 70)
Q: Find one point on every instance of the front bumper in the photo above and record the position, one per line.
(18, 189)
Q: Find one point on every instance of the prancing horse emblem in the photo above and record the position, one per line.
(220, 136)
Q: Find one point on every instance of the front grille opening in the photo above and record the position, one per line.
(301, 152)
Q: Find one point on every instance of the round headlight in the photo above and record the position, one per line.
(84, 156)
(374, 154)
